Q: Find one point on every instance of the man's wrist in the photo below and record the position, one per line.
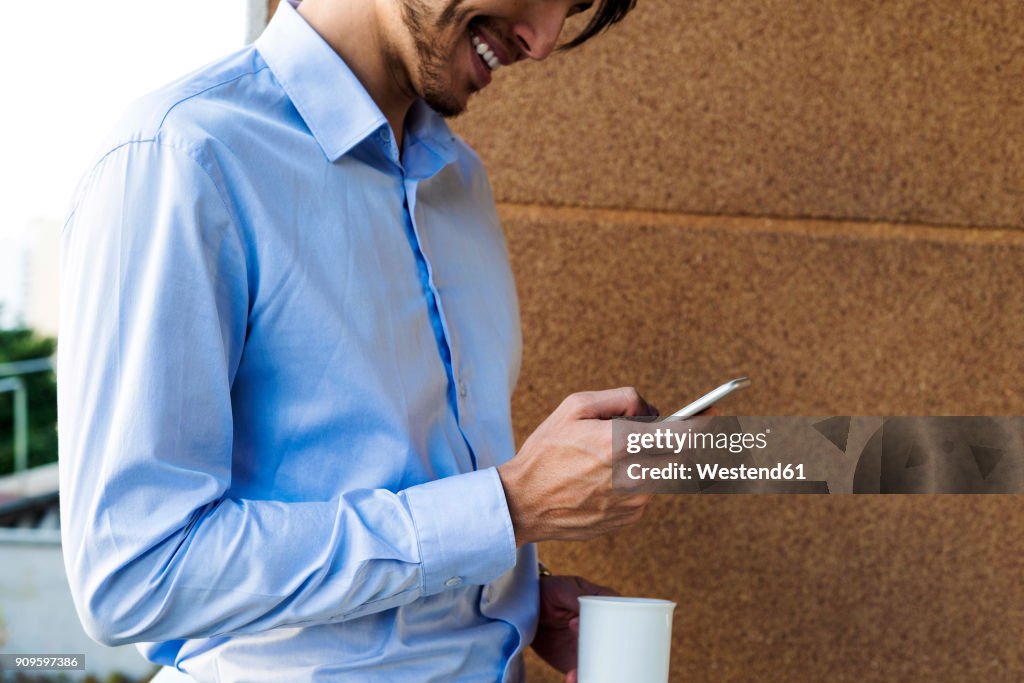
(506, 474)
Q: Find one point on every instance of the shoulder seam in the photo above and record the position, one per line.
(185, 151)
(154, 139)
(206, 89)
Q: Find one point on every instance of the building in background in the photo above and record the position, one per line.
(29, 281)
(13, 280)
(41, 278)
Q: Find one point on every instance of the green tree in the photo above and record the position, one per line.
(26, 344)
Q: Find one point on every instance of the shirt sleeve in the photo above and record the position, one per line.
(156, 279)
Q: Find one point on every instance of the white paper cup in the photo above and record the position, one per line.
(624, 640)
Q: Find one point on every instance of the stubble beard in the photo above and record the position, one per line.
(435, 89)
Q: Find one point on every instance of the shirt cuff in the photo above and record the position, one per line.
(464, 530)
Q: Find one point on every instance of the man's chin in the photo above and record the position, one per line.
(448, 107)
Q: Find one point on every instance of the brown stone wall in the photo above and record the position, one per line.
(828, 317)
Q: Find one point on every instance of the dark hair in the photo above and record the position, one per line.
(607, 13)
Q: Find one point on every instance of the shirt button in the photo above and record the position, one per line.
(454, 581)
(385, 135)
(462, 389)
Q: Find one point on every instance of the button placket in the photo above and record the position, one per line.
(457, 384)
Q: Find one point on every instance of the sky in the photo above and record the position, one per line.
(68, 68)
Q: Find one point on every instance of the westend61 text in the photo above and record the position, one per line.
(709, 472)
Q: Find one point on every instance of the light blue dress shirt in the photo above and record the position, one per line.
(285, 367)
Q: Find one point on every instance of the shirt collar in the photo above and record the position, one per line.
(331, 100)
(426, 128)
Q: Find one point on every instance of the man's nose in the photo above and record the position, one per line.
(537, 31)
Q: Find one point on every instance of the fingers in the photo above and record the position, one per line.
(563, 468)
(571, 677)
(610, 592)
(589, 588)
(602, 405)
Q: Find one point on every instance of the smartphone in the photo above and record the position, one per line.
(712, 397)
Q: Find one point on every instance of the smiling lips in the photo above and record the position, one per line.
(492, 52)
(486, 53)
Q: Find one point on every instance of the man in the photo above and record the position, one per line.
(288, 343)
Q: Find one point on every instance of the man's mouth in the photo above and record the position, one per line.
(489, 48)
(485, 52)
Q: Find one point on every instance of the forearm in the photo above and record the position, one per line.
(243, 566)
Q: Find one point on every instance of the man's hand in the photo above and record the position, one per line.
(558, 629)
(559, 485)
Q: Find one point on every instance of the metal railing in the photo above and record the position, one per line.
(10, 381)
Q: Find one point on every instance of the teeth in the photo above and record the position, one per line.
(486, 53)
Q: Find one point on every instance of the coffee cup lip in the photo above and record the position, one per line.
(624, 601)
